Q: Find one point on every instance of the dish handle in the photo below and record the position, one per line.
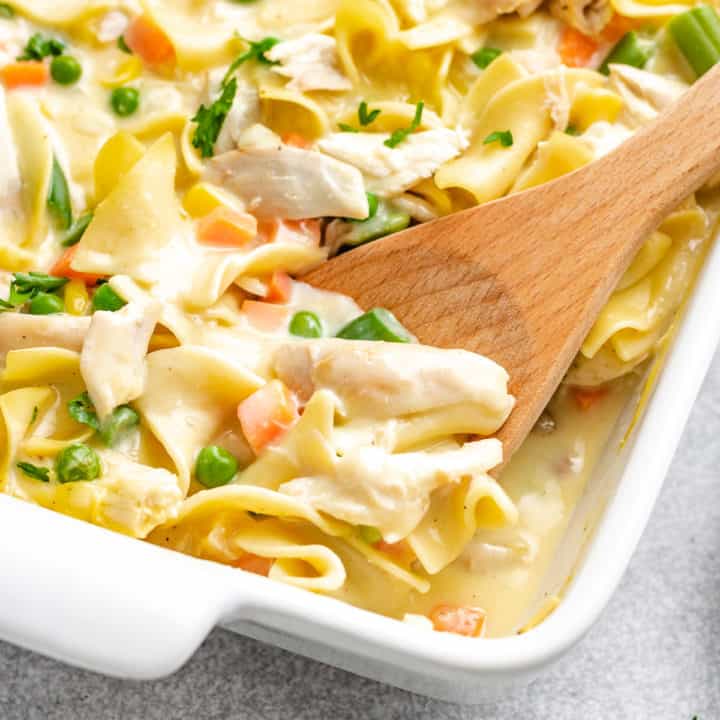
(104, 602)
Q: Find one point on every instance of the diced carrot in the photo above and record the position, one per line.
(306, 232)
(254, 564)
(576, 49)
(265, 316)
(586, 397)
(62, 268)
(296, 140)
(226, 228)
(468, 621)
(279, 287)
(618, 26)
(400, 551)
(24, 74)
(267, 414)
(149, 42)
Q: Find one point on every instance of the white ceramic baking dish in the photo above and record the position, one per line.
(105, 602)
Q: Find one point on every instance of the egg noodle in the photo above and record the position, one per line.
(167, 167)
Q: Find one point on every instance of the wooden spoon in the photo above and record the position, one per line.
(522, 279)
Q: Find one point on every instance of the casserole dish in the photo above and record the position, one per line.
(89, 597)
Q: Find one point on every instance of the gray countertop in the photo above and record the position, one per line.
(655, 654)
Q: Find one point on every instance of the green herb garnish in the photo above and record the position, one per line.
(366, 117)
(82, 410)
(484, 56)
(504, 137)
(34, 471)
(399, 135)
(210, 120)
(122, 45)
(6, 11)
(40, 46)
(255, 52)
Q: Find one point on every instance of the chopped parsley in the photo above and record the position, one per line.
(6, 11)
(210, 120)
(572, 130)
(255, 52)
(34, 471)
(34, 415)
(484, 56)
(401, 134)
(122, 45)
(40, 46)
(82, 410)
(365, 117)
(504, 137)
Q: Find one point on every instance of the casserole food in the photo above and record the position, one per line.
(163, 375)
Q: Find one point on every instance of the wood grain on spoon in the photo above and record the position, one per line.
(522, 279)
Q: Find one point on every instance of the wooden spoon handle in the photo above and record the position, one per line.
(634, 189)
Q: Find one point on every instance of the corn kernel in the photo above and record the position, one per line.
(202, 198)
(76, 297)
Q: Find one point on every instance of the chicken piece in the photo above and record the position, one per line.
(391, 492)
(645, 94)
(587, 16)
(388, 380)
(112, 362)
(19, 331)
(291, 183)
(391, 171)
(244, 113)
(131, 498)
(311, 63)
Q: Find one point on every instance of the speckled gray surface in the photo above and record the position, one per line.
(654, 655)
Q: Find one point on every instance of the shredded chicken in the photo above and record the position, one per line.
(587, 16)
(391, 171)
(112, 362)
(133, 498)
(291, 183)
(391, 491)
(645, 94)
(310, 62)
(19, 331)
(385, 380)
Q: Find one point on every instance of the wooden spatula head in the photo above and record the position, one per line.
(522, 279)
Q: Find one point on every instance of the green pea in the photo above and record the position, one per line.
(65, 70)
(77, 463)
(215, 466)
(46, 304)
(119, 424)
(105, 298)
(306, 324)
(125, 101)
